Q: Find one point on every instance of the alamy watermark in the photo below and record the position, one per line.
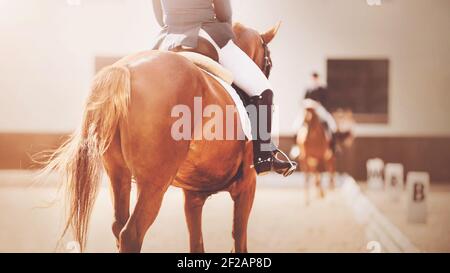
(214, 122)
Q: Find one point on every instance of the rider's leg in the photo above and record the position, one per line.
(331, 124)
(327, 117)
(333, 129)
(247, 74)
(249, 77)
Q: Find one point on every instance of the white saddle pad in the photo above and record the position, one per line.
(242, 112)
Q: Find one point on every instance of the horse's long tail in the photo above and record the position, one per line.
(79, 159)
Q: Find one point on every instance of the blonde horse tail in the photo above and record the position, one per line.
(79, 159)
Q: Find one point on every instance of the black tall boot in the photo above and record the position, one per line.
(265, 153)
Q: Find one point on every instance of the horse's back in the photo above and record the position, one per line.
(161, 81)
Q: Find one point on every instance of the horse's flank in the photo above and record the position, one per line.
(208, 165)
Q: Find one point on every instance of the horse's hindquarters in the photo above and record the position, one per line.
(161, 82)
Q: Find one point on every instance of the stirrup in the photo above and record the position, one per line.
(293, 164)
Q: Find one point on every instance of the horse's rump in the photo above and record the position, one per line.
(160, 81)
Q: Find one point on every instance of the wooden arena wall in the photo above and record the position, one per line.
(430, 154)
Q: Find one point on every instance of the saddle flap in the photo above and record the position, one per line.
(209, 65)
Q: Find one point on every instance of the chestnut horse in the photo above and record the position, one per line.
(317, 153)
(127, 130)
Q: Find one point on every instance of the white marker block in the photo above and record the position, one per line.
(394, 180)
(375, 174)
(418, 186)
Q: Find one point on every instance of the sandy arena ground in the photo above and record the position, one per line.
(434, 236)
(280, 222)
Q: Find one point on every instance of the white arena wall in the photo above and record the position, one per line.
(48, 50)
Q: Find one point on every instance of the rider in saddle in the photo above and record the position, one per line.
(183, 22)
(319, 93)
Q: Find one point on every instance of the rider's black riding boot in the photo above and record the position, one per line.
(264, 151)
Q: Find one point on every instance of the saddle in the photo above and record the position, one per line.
(211, 66)
(206, 58)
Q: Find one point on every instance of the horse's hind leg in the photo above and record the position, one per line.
(193, 207)
(150, 196)
(120, 178)
(243, 201)
(154, 175)
(153, 179)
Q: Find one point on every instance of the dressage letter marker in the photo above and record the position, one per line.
(418, 185)
(394, 180)
(375, 174)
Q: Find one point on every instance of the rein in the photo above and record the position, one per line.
(267, 67)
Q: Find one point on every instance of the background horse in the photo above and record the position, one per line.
(127, 130)
(317, 153)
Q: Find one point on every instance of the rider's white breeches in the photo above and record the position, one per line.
(247, 75)
(325, 115)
